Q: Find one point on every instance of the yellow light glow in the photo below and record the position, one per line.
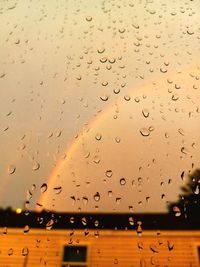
(18, 210)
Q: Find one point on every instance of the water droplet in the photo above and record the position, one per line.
(8, 113)
(130, 208)
(139, 228)
(84, 221)
(116, 90)
(196, 191)
(87, 154)
(10, 252)
(140, 245)
(50, 135)
(184, 150)
(26, 229)
(101, 50)
(72, 220)
(145, 113)
(88, 18)
(17, 41)
(163, 70)
(58, 133)
(50, 224)
(151, 128)
(97, 196)
(153, 248)
(118, 200)
(103, 60)
(85, 200)
(98, 136)
(96, 223)
(122, 30)
(5, 230)
(112, 60)
(36, 166)
(40, 220)
(25, 251)
(33, 187)
(11, 169)
(163, 196)
(122, 181)
(190, 32)
(104, 97)
(43, 188)
(109, 173)
(145, 132)
(115, 261)
(86, 232)
(79, 78)
(147, 199)
(110, 193)
(57, 190)
(5, 128)
(131, 220)
(177, 86)
(127, 97)
(175, 97)
(117, 139)
(170, 245)
(177, 211)
(96, 233)
(105, 83)
(96, 159)
(2, 75)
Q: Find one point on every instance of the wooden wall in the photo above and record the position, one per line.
(111, 248)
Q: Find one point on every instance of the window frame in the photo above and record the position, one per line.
(76, 263)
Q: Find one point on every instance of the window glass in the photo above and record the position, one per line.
(75, 253)
(99, 132)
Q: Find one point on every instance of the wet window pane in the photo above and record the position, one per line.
(99, 132)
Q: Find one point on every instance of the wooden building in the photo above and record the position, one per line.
(98, 240)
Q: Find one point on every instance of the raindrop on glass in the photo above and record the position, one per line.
(145, 113)
(170, 245)
(104, 97)
(11, 169)
(72, 220)
(85, 200)
(10, 252)
(50, 224)
(84, 221)
(117, 139)
(122, 181)
(57, 190)
(26, 229)
(88, 18)
(25, 251)
(98, 136)
(43, 188)
(36, 166)
(177, 211)
(131, 220)
(97, 196)
(109, 173)
(127, 98)
(145, 132)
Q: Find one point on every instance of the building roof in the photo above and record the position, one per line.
(50, 220)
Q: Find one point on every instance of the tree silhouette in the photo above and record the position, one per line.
(188, 205)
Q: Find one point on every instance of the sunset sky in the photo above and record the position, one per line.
(99, 106)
